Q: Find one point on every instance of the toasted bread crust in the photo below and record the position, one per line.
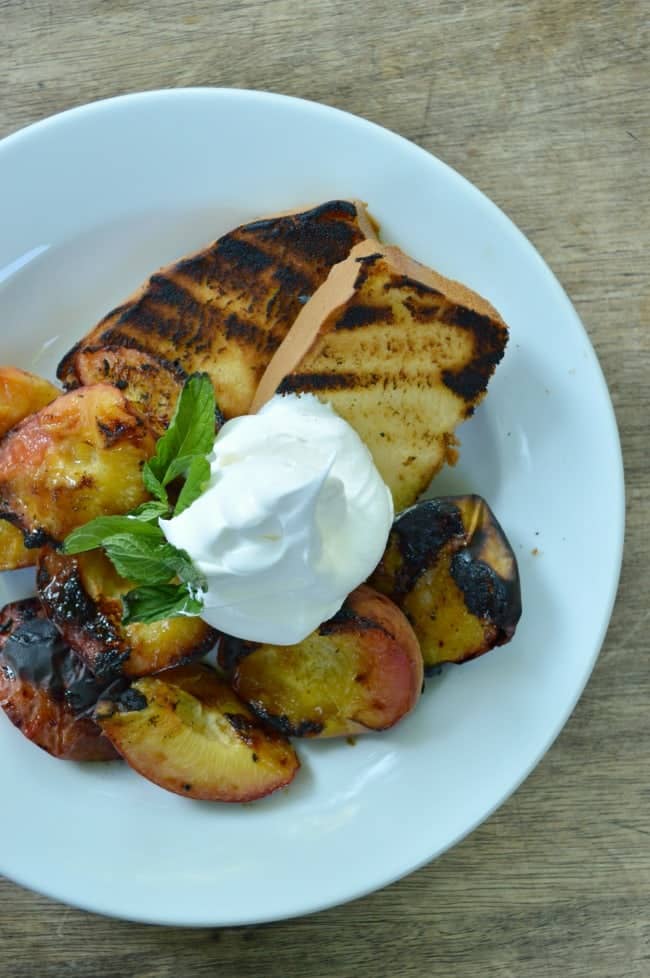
(226, 309)
(401, 352)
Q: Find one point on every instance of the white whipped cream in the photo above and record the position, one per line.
(295, 517)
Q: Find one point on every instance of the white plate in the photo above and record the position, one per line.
(91, 202)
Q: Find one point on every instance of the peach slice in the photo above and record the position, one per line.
(83, 594)
(21, 394)
(77, 458)
(45, 690)
(188, 732)
(360, 671)
(450, 568)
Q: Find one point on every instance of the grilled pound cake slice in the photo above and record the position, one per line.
(400, 352)
(224, 310)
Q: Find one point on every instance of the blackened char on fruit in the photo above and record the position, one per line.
(32, 649)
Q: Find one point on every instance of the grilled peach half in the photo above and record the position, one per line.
(21, 394)
(360, 671)
(83, 596)
(77, 458)
(450, 568)
(187, 731)
(45, 690)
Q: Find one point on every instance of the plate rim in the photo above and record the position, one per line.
(616, 478)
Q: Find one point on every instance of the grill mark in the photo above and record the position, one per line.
(406, 282)
(322, 236)
(294, 280)
(236, 328)
(297, 383)
(80, 619)
(335, 380)
(472, 381)
(423, 313)
(149, 322)
(171, 292)
(282, 723)
(476, 323)
(363, 315)
(489, 338)
(243, 254)
(421, 532)
(346, 619)
(365, 263)
(164, 311)
(487, 596)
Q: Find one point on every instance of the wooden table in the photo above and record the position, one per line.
(545, 106)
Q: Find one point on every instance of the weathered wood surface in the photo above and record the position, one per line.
(546, 107)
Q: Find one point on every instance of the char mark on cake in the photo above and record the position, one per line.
(306, 383)
(364, 315)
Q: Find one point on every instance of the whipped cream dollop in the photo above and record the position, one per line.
(295, 516)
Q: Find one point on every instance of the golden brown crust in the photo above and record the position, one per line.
(400, 352)
(226, 308)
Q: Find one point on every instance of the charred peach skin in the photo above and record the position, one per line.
(45, 690)
(450, 568)
(360, 671)
(188, 732)
(82, 595)
(77, 458)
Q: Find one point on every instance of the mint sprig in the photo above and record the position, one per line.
(150, 604)
(169, 583)
(183, 448)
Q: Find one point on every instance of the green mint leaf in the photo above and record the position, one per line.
(148, 512)
(95, 533)
(153, 484)
(144, 561)
(190, 432)
(197, 478)
(149, 604)
(179, 467)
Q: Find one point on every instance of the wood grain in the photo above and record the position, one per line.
(545, 106)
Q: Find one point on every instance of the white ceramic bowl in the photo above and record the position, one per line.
(94, 200)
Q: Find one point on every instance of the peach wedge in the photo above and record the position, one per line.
(83, 596)
(450, 568)
(360, 671)
(79, 457)
(188, 732)
(45, 690)
(21, 394)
